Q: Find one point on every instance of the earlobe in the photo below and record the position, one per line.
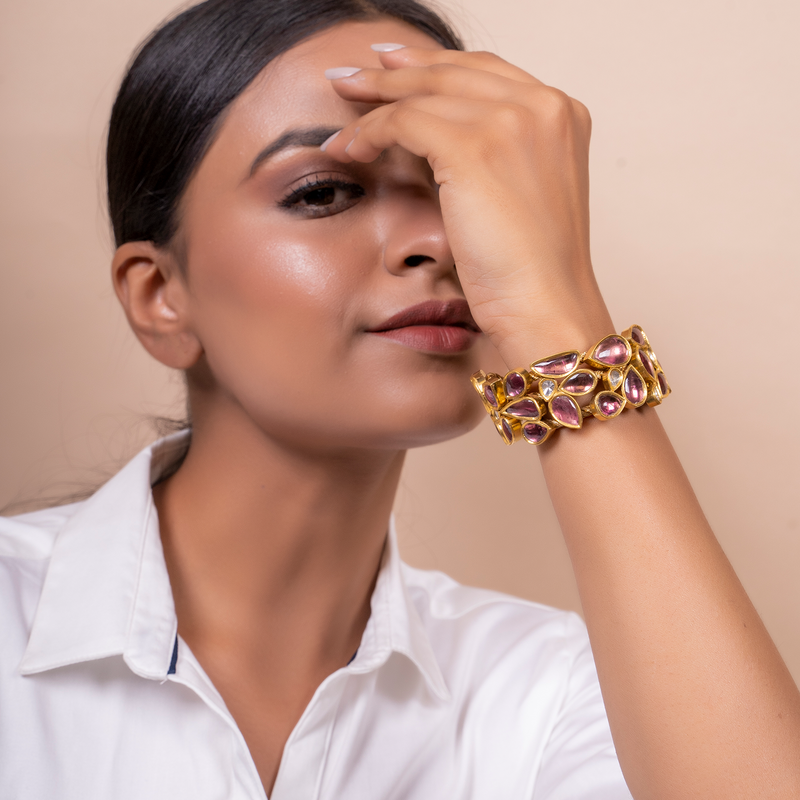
(152, 291)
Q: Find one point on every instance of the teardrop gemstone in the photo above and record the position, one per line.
(515, 384)
(490, 396)
(508, 434)
(637, 334)
(662, 382)
(566, 411)
(535, 432)
(558, 365)
(613, 351)
(647, 363)
(608, 404)
(580, 382)
(547, 387)
(635, 390)
(615, 378)
(526, 407)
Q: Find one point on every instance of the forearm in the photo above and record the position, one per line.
(698, 698)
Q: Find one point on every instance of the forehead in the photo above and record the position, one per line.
(292, 90)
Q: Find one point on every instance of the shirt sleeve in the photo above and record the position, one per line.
(579, 761)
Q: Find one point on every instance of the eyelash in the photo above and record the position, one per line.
(292, 201)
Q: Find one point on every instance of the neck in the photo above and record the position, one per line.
(270, 546)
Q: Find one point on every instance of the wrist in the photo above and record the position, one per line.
(616, 372)
(522, 341)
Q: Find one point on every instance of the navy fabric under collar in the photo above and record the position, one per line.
(174, 660)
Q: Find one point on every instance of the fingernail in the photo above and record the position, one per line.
(341, 72)
(347, 149)
(325, 144)
(386, 47)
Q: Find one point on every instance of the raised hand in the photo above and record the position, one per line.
(510, 155)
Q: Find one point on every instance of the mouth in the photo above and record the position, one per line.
(435, 326)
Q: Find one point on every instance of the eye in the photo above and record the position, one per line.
(322, 197)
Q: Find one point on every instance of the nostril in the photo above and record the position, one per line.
(415, 261)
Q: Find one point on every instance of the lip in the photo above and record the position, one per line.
(435, 326)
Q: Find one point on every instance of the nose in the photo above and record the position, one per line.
(416, 237)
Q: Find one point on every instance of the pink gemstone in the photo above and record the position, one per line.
(489, 394)
(612, 351)
(515, 384)
(635, 390)
(608, 404)
(647, 363)
(566, 410)
(527, 407)
(559, 365)
(637, 335)
(534, 432)
(662, 382)
(579, 383)
(507, 432)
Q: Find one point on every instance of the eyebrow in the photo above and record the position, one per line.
(297, 137)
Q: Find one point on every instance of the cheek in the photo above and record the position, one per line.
(270, 296)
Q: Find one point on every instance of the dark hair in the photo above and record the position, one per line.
(185, 76)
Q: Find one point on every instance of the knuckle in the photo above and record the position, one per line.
(440, 76)
(483, 56)
(439, 69)
(556, 105)
(512, 118)
(403, 111)
(559, 113)
(583, 115)
(580, 110)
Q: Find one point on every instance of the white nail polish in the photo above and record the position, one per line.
(347, 149)
(325, 144)
(386, 47)
(341, 72)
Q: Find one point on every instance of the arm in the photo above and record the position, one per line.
(699, 701)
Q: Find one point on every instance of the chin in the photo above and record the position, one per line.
(377, 426)
(413, 426)
(444, 430)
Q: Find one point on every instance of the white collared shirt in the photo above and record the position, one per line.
(455, 693)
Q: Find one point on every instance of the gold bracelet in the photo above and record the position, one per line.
(622, 371)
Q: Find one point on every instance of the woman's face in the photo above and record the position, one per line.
(296, 265)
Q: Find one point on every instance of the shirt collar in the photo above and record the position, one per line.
(107, 589)
(395, 625)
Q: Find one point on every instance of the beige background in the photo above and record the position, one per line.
(696, 200)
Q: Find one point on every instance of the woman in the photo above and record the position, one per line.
(317, 252)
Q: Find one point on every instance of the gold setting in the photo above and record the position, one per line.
(531, 404)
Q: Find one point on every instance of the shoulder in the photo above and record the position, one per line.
(524, 674)
(439, 598)
(498, 634)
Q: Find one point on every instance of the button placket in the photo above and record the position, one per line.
(306, 750)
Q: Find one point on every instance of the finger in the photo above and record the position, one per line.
(421, 126)
(446, 80)
(389, 85)
(413, 128)
(478, 60)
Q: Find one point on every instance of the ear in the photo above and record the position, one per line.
(153, 292)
